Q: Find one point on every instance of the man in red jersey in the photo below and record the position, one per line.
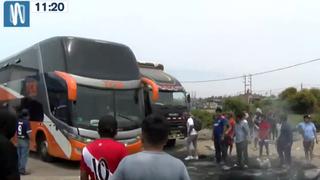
(264, 131)
(101, 157)
(230, 131)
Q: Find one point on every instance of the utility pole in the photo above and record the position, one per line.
(301, 86)
(245, 84)
(250, 83)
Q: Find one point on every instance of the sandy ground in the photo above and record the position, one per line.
(205, 148)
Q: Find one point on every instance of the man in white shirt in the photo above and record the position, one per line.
(241, 137)
(191, 139)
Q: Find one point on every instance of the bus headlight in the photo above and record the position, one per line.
(82, 139)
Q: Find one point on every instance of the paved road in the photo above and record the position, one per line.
(58, 170)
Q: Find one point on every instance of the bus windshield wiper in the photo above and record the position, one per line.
(127, 117)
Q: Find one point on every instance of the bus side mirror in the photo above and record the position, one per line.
(71, 84)
(154, 86)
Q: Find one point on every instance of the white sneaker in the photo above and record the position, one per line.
(245, 166)
(188, 158)
(195, 157)
(235, 165)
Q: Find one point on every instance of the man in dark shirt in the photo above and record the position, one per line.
(23, 137)
(218, 135)
(8, 152)
(284, 142)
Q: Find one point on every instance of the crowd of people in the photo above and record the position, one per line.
(258, 129)
(105, 158)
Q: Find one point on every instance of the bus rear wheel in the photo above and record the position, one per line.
(43, 150)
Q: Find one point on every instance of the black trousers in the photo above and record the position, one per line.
(221, 148)
(274, 131)
(284, 151)
(242, 153)
(262, 143)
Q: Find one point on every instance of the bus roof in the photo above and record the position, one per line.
(163, 80)
(80, 56)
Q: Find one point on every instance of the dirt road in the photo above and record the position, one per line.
(204, 169)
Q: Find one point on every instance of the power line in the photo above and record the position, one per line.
(214, 80)
(254, 74)
(276, 89)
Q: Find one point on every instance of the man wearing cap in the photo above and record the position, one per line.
(101, 157)
(309, 134)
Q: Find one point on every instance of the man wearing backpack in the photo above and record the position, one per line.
(192, 137)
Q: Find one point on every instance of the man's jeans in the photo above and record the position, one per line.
(192, 141)
(23, 154)
(242, 153)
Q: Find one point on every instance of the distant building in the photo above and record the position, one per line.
(210, 103)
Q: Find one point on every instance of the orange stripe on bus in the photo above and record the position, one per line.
(71, 84)
(5, 95)
(154, 86)
(135, 147)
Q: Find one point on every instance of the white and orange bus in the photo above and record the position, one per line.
(67, 84)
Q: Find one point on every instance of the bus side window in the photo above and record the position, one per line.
(58, 98)
(58, 105)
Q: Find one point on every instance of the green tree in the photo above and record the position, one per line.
(235, 105)
(204, 116)
(303, 102)
(316, 93)
(288, 93)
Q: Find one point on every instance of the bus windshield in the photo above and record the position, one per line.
(171, 98)
(93, 103)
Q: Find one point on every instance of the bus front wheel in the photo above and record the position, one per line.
(43, 150)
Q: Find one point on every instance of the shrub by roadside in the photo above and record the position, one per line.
(204, 116)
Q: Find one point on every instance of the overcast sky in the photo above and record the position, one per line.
(195, 39)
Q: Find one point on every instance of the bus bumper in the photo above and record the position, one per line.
(77, 147)
(134, 147)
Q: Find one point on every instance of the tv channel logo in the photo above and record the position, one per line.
(16, 14)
